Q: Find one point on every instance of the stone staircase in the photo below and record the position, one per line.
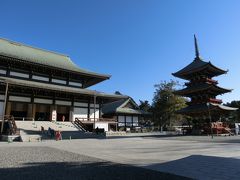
(31, 130)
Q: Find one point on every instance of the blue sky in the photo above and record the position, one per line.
(139, 42)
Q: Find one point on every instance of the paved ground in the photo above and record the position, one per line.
(28, 163)
(189, 156)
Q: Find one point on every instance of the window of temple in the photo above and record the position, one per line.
(121, 121)
(40, 78)
(2, 71)
(77, 84)
(59, 81)
(18, 74)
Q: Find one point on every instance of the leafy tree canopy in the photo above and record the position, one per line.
(166, 103)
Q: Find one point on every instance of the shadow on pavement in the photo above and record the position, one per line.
(83, 171)
(202, 167)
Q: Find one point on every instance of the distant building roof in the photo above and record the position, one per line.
(122, 107)
(44, 57)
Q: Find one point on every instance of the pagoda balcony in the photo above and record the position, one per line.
(211, 81)
(204, 80)
(212, 100)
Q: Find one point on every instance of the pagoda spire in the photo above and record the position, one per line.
(196, 47)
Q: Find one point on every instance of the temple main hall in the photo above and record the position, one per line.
(39, 86)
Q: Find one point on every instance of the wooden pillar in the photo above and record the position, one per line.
(88, 115)
(29, 111)
(4, 107)
(94, 110)
(8, 108)
(125, 120)
(132, 122)
(100, 109)
(71, 110)
(117, 124)
(33, 111)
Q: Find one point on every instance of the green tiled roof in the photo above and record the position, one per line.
(35, 55)
(118, 107)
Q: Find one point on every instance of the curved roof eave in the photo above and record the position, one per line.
(205, 87)
(195, 66)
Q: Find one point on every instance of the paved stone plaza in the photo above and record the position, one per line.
(189, 156)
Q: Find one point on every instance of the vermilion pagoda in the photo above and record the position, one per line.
(202, 89)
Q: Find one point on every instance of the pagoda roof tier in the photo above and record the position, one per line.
(198, 66)
(188, 91)
(203, 108)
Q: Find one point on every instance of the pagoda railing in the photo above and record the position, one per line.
(204, 80)
(211, 81)
(218, 101)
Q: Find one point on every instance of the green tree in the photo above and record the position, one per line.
(146, 119)
(166, 103)
(234, 115)
(145, 106)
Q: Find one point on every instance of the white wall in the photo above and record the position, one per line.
(92, 113)
(43, 101)
(80, 113)
(19, 99)
(81, 104)
(65, 103)
(40, 78)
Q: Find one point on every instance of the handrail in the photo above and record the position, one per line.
(80, 125)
